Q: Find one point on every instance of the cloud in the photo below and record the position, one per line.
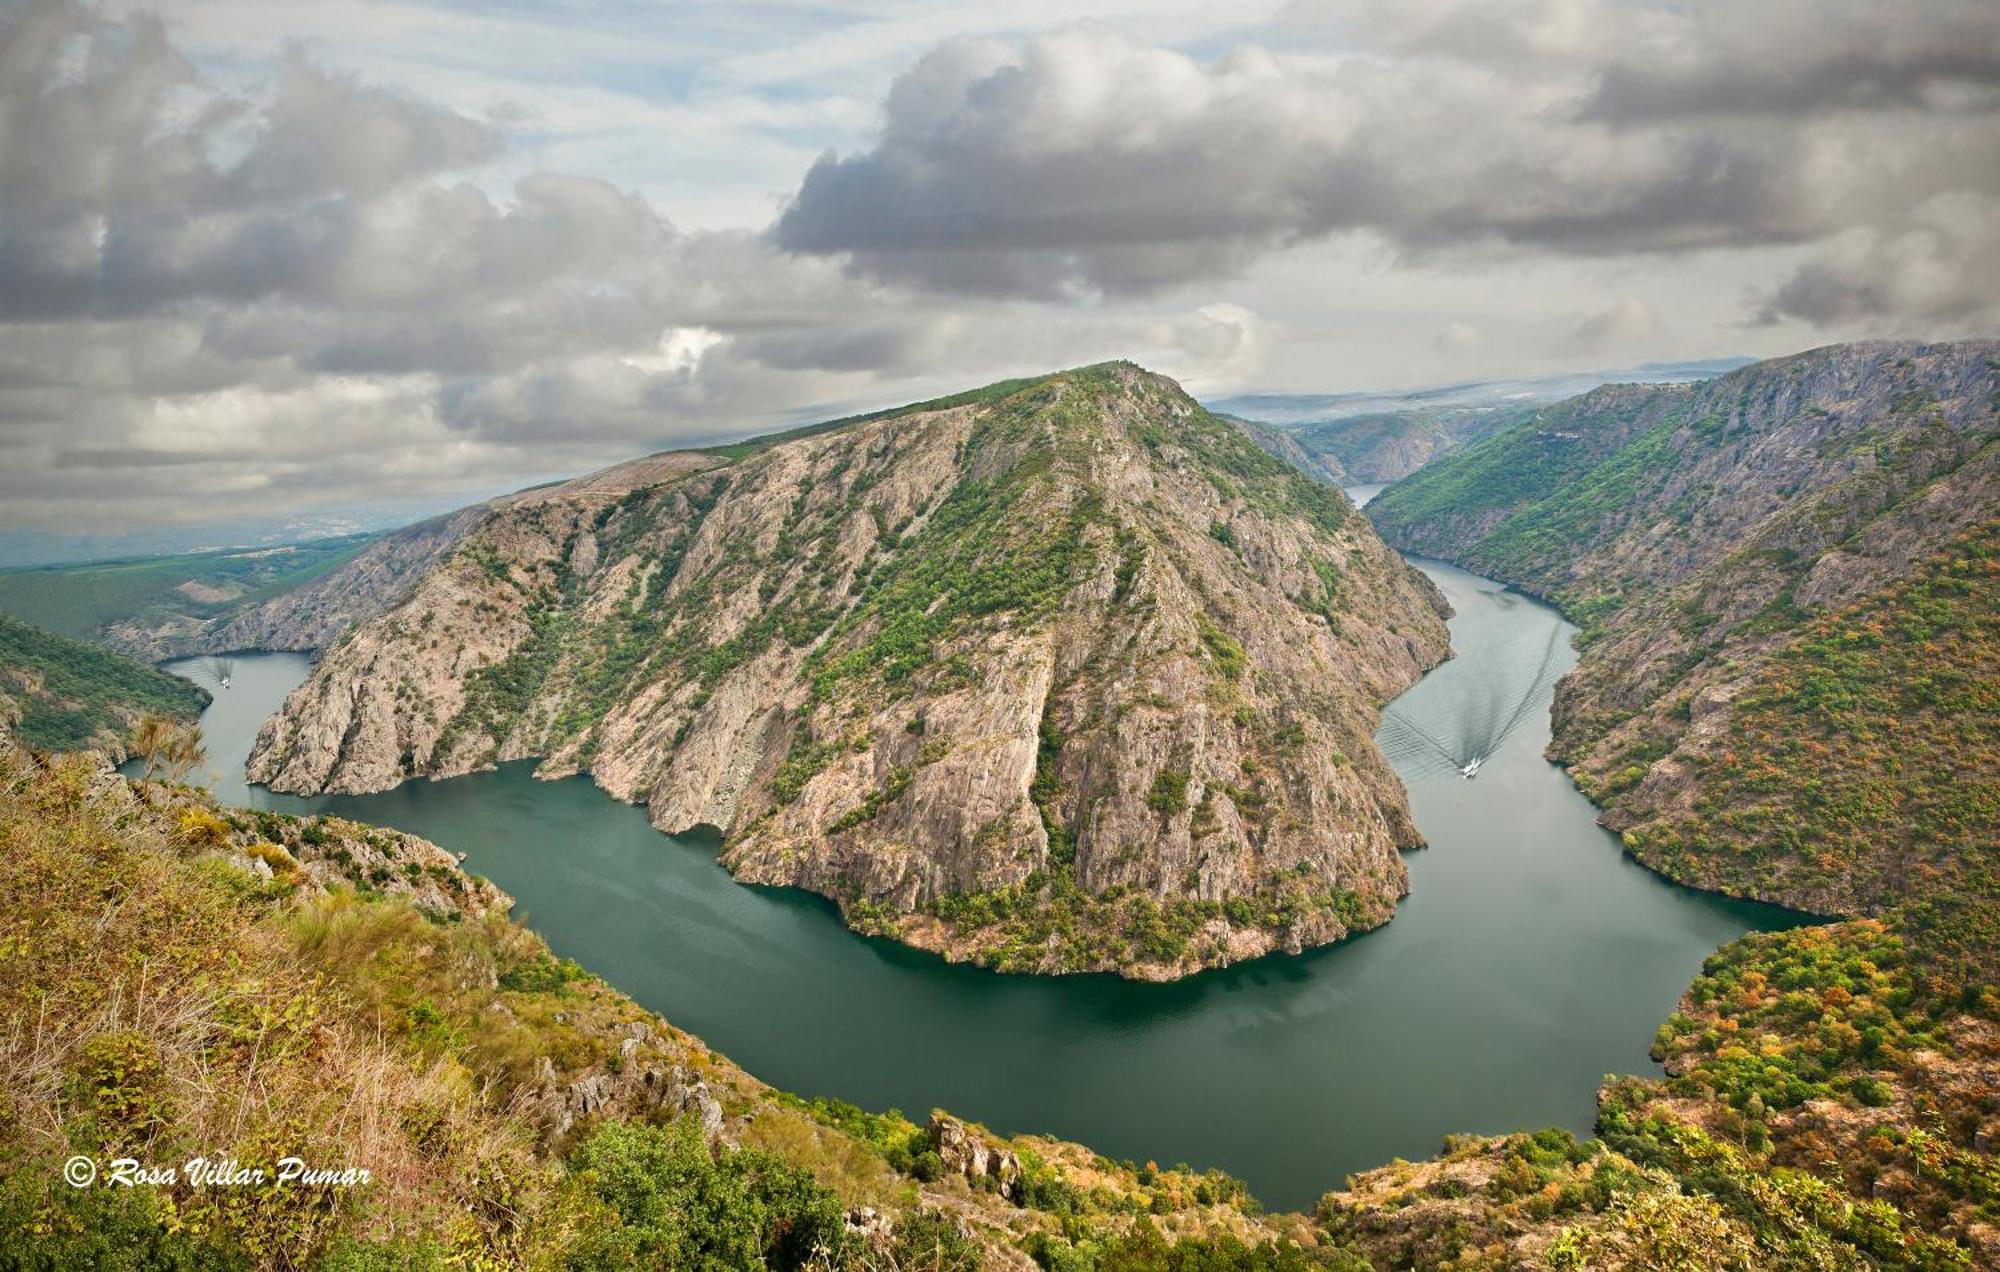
(1459, 338)
(1085, 162)
(211, 301)
(1700, 58)
(1631, 322)
(254, 280)
(1943, 268)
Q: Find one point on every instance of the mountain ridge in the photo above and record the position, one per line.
(1708, 537)
(1047, 675)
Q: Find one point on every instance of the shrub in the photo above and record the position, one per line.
(932, 1241)
(665, 1200)
(1169, 793)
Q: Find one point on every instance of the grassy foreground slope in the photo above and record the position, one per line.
(186, 981)
(183, 980)
(62, 694)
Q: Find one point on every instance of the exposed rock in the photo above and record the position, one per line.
(966, 1151)
(1697, 531)
(311, 618)
(643, 1083)
(868, 1222)
(1073, 630)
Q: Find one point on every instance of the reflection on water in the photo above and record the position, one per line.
(1530, 959)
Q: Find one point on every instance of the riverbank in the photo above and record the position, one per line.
(1530, 958)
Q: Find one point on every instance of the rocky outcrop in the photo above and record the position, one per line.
(1064, 675)
(1712, 540)
(1281, 443)
(311, 618)
(640, 1083)
(966, 1151)
(319, 854)
(1380, 447)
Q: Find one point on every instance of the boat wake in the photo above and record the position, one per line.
(1483, 726)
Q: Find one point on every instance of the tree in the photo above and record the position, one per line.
(167, 746)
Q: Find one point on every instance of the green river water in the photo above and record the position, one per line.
(1530, 959)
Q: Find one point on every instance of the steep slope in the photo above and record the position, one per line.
(380, 1011)
(1381, 447)
(1280, 443)
(1391, 445)
(1063, 674)
(61, 694)
(308, 615)
(1785, 578)
(198, 981)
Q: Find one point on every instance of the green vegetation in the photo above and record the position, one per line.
(433, 1048)
(83, 601)
(1051, 924)
(1516, 470)
(659, 1198)
(1828, 1086)
(1145, 1250)
(1862, 758)
(68, 695)
(1169, 794)
(1228, 653)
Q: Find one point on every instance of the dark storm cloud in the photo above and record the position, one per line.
(1085, 161)
(1944, 265)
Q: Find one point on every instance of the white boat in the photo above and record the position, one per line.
(1471, 770)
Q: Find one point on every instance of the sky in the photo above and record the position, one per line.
(296, 260)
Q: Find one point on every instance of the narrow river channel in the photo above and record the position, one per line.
(1531, 958)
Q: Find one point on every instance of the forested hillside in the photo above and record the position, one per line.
(62, 694)
(1785, 580)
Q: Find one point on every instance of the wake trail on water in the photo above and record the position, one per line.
(1540, 689)
(1405, 738)
(1492, 717)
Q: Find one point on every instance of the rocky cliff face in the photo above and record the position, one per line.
(1791, 563)
(1378, 447)
(1060, 675)
(309, 618)
(1281, 443)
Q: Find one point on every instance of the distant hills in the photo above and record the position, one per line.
(1372, 438)
(1292, 409)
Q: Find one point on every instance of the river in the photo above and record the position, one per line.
(1530, 959)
